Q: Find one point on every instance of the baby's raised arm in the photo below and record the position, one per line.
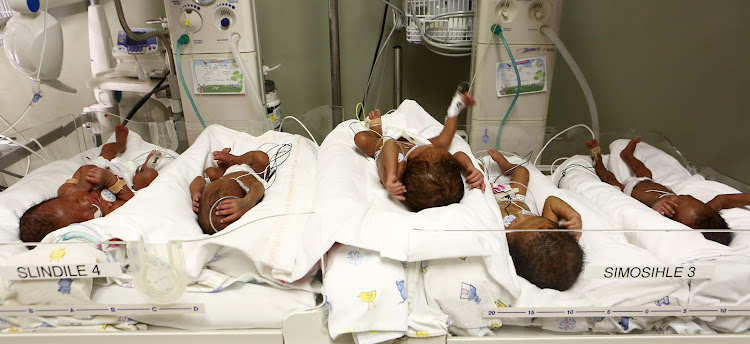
(101, 177)
(444, 139)
(556, 209)
(729, 201)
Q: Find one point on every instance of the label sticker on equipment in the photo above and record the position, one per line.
(533, 73)
(104, 309)
(56, 271)
(649, 272)
(217, 76)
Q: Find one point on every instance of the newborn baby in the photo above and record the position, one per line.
(545, 258)
(224, 193)
(681, 208)
(92, 192)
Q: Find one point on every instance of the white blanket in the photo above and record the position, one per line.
(356, 210)
(275, 242)
(600, 249)
(681, 247)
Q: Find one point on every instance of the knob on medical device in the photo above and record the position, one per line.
(158, 270)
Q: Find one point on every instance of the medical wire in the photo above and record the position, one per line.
(558, 134)
(42, 148)
(144, 99)
(281, 125)
(579, 76)
(377, 49)
(552, 167)
(397, 23)
(44, 45)
(565, 171)
(234, 45)
(184, 40)
(496, 29)
(26, 148)
(12, 126)
(211, 212)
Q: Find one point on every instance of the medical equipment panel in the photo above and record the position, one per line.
(217, 46)
(496, 80)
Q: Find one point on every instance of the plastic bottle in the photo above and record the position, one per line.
(273, 104)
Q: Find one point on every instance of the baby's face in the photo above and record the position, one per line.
(74, 207)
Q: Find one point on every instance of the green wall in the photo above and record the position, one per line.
(675, 66)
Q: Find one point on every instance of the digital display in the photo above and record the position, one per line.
(130, 41)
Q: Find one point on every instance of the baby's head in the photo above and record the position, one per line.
(55, 213)
(213, 192)
(697, 215)
(432, 179)
(545, 258)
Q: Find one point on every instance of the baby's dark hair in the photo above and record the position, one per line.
(212, 193)
(711, 219)
(548, 259)
(432, 182)
(37, 222)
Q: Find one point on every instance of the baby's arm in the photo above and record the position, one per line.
(196, 190)
(555, 209)
(388, 170)
(77, 182)
(233, 208)
(729, 201)
(474, 177)
(444, 139)
(105, 179)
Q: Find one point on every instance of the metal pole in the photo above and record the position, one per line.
(333, 32)
(397, 76)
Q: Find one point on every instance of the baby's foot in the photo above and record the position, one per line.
(596, 151)
(500, 159)
(121, 134)
(223, 156)
(374, 121)
(630, 148)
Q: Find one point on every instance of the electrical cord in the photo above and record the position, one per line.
(144, 99)
(377, 50)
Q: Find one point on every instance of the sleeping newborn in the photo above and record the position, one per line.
(93, 191)
(224, 193)
(420, 172)
(548, 259)
(685, 209)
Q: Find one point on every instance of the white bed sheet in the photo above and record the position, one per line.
(239, 306)
(675, 248)
(42, 184)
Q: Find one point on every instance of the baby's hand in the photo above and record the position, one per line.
(100, 177)
(196, 197)
(665, 207)
(232, 208)
(395, 187)
(475, 179)
(574, 222)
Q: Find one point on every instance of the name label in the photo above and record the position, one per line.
(40, 272)
(649, 272)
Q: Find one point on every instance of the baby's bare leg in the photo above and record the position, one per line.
(110, 150)
(601, 171)
(519, 175)
(636, 165)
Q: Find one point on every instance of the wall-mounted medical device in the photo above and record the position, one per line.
(220, 62)
(496, 81)
(139, 58)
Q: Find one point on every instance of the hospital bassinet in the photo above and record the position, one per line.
(309, 325)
